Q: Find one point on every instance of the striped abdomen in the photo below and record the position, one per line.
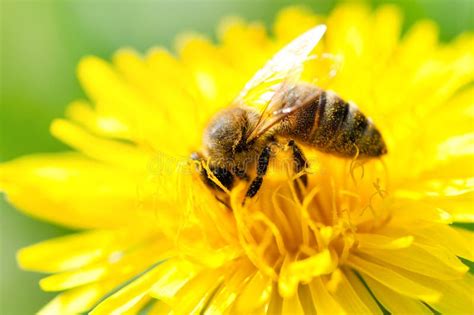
(332, 125)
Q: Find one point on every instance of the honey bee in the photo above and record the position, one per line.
(276, 105)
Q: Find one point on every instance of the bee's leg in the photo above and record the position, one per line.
(195, 156)
(240, 173)
(224, 202)
(223, 175)
(300, 161)
(262, 166)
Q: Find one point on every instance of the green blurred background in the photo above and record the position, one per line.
(41, 43)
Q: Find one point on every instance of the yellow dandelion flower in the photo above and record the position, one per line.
(360, 238)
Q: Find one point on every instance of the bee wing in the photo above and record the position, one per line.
(275, 112)
(280, 74)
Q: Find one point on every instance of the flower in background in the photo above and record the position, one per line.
(363, 236)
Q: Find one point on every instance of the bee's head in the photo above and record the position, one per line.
(225, 134)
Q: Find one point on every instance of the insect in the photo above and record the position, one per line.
(275, 105)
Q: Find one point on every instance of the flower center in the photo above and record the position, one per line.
(294, 233)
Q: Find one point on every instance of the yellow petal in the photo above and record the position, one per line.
(71, 190)
(76, 250)
(431, 261)
(82, 113)
(231, 288)
(306, 299)
(453, 196)
(419, 42)
(456, 296)
(459, 206)
(177, 99)
(456, 146)
(211, 75)
(353, 297)
(349, 35)
(285, 27)
(463, 217)
(468, 237)
(394, 302)
(169, 103)
(255, 293)
(60, 282)
(105, 86)
(246, 46)
(376, 241)
(292, 305)
(457, 241)
(125, 262)
(323, 300)
(129, 296)
(387, 26)
(275, 302)
(115, 98)
(171, 276)
(393, 280)
(439, 187)
(408, 212)
(159, 308)
(81, 299)
(135, 72)
(115, 153)
(162, 63)
(193, 296)
(139, 307)
(455, 115)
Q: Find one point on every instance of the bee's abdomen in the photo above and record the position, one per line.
(332, 125)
